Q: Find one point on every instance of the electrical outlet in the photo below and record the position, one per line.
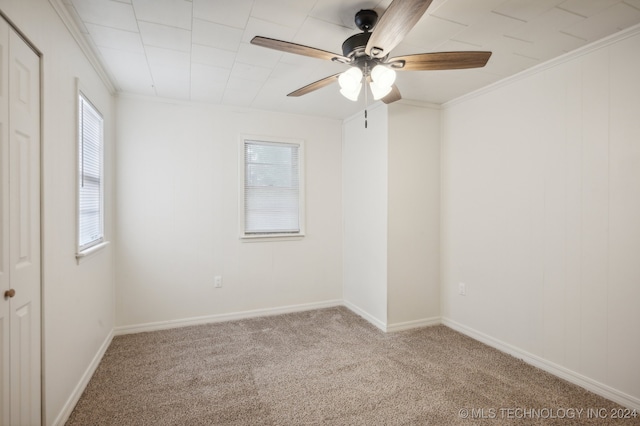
(217, 281)
(462, 289)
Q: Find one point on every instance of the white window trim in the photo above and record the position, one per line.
(91, 250)
(87, 252)
(241, 179)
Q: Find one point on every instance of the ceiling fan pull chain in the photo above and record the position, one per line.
(366, 102)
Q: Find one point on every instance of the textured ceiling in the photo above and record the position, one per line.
(199, 50)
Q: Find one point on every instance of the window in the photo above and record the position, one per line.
(90, 182)
(272, 188)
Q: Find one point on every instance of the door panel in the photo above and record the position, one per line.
(21, 146)
(23, 399)
(24, 232)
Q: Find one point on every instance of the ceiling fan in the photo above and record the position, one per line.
(368, 53)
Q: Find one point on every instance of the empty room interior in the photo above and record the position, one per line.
(436, 189)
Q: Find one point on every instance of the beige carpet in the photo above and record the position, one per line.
(327, 366)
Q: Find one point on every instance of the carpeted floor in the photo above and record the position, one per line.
(330, 367)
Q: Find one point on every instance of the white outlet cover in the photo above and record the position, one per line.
(462, 289)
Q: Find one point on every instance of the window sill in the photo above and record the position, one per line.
(87, 253)
(270, 238)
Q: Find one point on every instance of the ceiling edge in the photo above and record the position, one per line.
(591, 47)
(84, 45)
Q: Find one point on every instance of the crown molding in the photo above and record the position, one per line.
(415, 103)
(88, 50)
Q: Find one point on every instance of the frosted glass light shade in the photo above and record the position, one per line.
(350, 79)
(379, 91)
(351, 93)
(383, 76)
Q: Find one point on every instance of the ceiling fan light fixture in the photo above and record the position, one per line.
(350, 80)
(368, 52)
(383, 76)
(351, 93)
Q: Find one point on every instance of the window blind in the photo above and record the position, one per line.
(271, 188)
(90, 212)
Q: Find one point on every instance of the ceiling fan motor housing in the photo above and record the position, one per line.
(354, 45)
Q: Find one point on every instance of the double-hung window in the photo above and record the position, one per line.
(272, 188)
(90, 176)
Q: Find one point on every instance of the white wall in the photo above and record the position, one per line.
(541, 215)
(177, 215)
(78, 300)
(413, 233)
(540, 211)
(364, 186)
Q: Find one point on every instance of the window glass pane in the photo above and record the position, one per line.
(90, 215)
(271, 190)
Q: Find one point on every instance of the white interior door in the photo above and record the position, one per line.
(5, 284)
(20, 312)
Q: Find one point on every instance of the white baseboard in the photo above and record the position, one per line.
(165, 325)
(390, 328)
(407, 325)
(548, 366)
(364, 314)
(73, 399)
(208, 319)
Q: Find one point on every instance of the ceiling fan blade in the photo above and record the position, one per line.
(394, 25)
(393, 96)
(298, 49)
(315, 85)
(440, 61)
